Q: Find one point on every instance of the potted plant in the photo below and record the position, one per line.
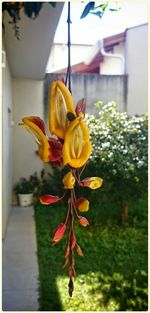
(24, 189)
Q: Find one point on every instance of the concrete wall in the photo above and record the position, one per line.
(27, 100)
(93, 87)
(137, 69)
(7, 144)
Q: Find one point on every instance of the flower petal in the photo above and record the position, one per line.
(82, 204)
(56, 149)
(49, 199)
(36, 127)
(76, 147)
(49, 149)
(59, 233)
(61, 102)
(92, 182)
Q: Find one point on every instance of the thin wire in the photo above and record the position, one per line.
(68, 74)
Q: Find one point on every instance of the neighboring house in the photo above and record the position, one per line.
(22, 94)
(96, 62)
(59, 52)
(122, 54)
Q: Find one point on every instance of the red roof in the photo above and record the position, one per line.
(94, 66)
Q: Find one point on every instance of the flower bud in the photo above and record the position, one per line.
(67, 251)
(79, 251)
(49, 199)
(68, 181)
(70, 287)
(92, 182)
(59, 233)
(73, 242)
(83, 221)
(80, 107)
(65, 262)
(71, 272)
(82, 204)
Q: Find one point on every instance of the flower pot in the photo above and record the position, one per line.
(25, 199)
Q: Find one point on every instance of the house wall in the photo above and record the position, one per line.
(137, 69)
(7, 133)
(59, 53)
(27, 100)
(111, 65)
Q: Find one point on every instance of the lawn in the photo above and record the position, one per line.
(112, 274)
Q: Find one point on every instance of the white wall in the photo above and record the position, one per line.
(27, 100)
(7, 144)
(59, 53)
(137, 69)
(111, 65)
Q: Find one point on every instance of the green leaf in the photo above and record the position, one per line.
(32, 9)
(102, 6)
(98, 13)
(114, 10)
(88, 7)
(53, 4)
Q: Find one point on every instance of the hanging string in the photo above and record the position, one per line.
(68, 74)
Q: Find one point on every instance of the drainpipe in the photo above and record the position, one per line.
(106, 54)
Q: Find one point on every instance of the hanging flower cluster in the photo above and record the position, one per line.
(71, 148)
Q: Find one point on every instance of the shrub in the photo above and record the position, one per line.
(120, 151)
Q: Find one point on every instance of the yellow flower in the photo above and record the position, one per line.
(49, 149)
(68, 181)
(92, 182)
(82, 204)
(76, 147)
(61, 102)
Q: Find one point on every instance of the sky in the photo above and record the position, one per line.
(91, 28)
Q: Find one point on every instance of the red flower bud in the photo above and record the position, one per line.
(73, 242)
(72, 272)
(59, 233)
(49, 199)
(79, 251)
(67, 251)
(65, 262)
(80, 107)
(83, 221)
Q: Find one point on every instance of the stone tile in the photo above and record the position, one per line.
(23, 300)
(20, 271)
(20, 243)
(20, 264)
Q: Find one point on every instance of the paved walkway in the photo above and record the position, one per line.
(20, 267)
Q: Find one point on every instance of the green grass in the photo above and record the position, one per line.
(112, 275)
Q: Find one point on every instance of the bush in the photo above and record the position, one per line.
(120, 150)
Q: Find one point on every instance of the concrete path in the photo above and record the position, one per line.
(20, 267)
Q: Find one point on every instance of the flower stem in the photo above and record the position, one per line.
(68, 75)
